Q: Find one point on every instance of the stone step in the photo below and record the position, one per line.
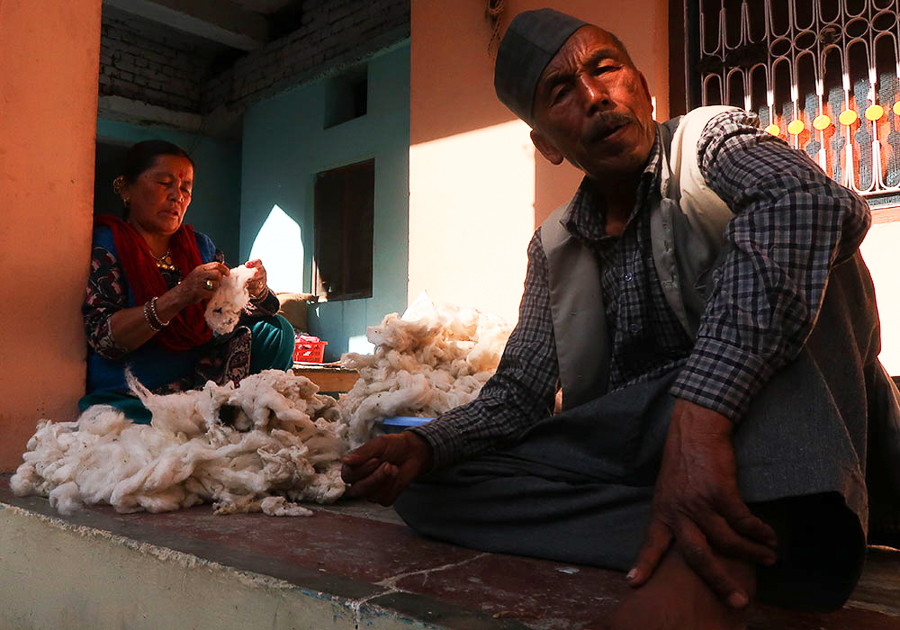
(347, 566)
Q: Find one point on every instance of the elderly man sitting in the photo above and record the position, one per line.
(702, 302)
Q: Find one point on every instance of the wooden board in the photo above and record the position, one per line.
(329, 379)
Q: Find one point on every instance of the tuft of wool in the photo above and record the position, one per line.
(427, 362)
(282, 441)
(225, 307)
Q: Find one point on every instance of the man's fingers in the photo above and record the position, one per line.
(724, 539)
(385, 494)
(657, 539)
(372, 486)
(405, 476)
(353, 473)
(698, 555)
(381, 468)
(372, 448)
(746, 523)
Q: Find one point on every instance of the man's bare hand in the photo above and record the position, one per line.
(382, 468)
(696, 503)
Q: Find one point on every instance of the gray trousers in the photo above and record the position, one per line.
(577, 487)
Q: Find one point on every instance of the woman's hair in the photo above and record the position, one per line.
(142, 156)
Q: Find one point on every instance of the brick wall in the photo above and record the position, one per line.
(147, 62)
(333, 33)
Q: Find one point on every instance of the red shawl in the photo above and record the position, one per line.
(188, 329)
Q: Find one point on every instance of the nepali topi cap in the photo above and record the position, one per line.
(531, 41)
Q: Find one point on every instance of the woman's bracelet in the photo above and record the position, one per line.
(155, 325)
(262, 296)
(155, 314)
(152, 316)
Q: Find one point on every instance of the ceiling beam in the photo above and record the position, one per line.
(217, 20)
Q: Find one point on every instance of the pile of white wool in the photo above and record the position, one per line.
(427, 362)
(261, 446)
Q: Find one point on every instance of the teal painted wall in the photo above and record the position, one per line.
(216, 202)
(285, 144)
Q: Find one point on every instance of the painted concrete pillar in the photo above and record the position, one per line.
(478, 188)
(49, 59)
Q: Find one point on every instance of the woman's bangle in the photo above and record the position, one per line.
(154, 323)
(156, 315)
(262, 296)
(152, 316)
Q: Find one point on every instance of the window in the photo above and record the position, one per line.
(346, 96)
(823, 74)
(344, 219)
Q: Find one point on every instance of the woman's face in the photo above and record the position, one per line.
(160, 196)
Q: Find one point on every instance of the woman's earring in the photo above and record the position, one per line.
(118, 185)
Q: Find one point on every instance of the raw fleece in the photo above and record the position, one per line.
(280, 442)
(230, 299)
(426, 362)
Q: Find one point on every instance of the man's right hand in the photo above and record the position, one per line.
(382, 468)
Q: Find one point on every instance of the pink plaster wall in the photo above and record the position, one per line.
(467, 238)
(452, 73)
(49, 55)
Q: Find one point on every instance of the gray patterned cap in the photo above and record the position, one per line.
(531, 41)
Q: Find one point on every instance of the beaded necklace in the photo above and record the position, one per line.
(164, 262)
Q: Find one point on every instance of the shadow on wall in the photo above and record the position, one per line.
(452, 43)
(451, 79)
(109, 157)
(553, 185)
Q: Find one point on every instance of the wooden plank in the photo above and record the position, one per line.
(328, 379)
(887, 214)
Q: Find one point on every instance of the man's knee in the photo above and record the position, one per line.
(821, 549)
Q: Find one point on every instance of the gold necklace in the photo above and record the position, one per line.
(164, 262)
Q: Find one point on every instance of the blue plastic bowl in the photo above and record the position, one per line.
(400, 423)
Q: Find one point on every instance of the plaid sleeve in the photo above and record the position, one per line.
(792, 223)
(523, 389)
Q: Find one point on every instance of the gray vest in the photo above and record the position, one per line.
(687, 237)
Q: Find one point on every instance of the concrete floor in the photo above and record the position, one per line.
(352, 565)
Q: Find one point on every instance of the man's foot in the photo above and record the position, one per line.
(676, 598)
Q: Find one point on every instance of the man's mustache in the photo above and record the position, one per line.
(605, 123)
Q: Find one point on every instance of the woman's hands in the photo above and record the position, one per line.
(130, 328)
(257, 285)
(200, 284)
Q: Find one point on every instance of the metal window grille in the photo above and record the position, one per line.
(823, 74)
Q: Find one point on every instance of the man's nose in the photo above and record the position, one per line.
(594, 93)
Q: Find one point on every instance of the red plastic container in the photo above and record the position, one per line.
(308, 349)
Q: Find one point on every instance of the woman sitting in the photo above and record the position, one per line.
(151, 276)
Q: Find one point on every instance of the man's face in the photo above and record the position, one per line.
(592, 107)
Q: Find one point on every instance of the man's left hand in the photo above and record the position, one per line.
(696, 503)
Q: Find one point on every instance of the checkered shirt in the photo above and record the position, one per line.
(792, 224)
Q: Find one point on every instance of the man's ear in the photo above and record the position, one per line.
(547, 149)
